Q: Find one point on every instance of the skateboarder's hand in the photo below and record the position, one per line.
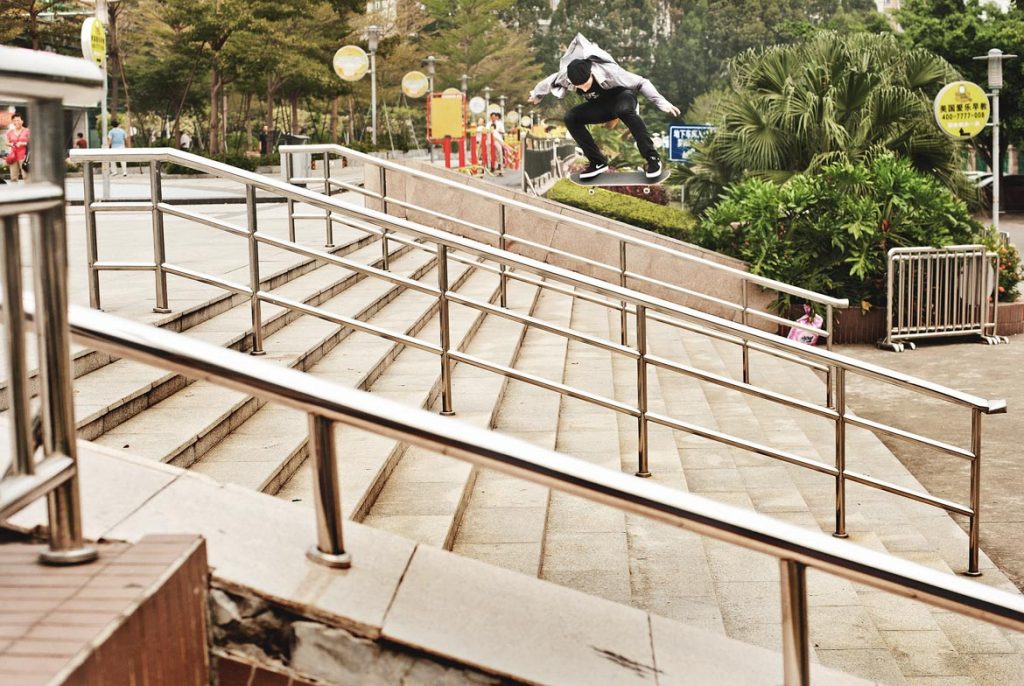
(673, 110)
(533, 100)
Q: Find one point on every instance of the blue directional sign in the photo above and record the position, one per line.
(681, 139)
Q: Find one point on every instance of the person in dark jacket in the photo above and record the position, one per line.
(609, 92)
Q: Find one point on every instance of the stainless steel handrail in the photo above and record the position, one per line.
(325, 403)
(48, 83)
(511, 266)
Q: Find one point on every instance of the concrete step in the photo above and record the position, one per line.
(184, 426)
(505, 518)
(119, 391)
(426, 495)
(898, 641)
(265, 450)
(85, 360)
(367, 460)
(585, 543)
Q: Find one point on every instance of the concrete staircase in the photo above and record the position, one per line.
(236, 439)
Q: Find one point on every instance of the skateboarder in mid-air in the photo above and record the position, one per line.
(609, 92)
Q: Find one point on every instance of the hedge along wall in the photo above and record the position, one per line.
(571, 238)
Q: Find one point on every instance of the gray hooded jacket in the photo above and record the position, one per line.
(606, 71)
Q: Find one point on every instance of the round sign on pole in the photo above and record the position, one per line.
(415, 84)
(962, 110)
(494, 107)
(477, 105)
(351, 63)
(94, 41)
(452, 93)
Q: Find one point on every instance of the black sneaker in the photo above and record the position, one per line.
(593, 169)
(653, 169)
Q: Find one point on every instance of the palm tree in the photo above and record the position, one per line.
(832, 98)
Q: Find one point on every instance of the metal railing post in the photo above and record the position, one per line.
(255, 308)
(288, 171)
(643, 468)
(328, 222)
(91, 241)
(502, 276)
(159, 245)
(330, 547)
(53, 335)
(840, 449)
(445, 325)
(974, 533)
(14, 343)
(623, 313)
(746, 322)
(796, 652)
(385, 257)
(829, 371)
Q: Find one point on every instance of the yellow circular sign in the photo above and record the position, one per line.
(415, 84)
(452, 93)
(94, 41)
(351, 63)
(962, 110)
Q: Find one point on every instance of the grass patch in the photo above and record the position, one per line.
(668, 221)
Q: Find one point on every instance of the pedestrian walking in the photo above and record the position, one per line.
(116, 139)
(80, 142)
(609, 92)
(17, 143)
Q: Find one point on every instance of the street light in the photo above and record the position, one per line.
(502, 99)
(430, 81)
(430, 71)
(465, 82)
(995, 59)
(487, 99)
(372, 40)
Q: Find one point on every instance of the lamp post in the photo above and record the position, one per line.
(487, 99)
(995, 59)
(501, 100)
(372, 40)
(103, 17)
(430, 84)
(465, 82)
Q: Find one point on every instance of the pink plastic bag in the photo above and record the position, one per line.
(806, 337)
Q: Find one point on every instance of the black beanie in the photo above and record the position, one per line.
(578, 72)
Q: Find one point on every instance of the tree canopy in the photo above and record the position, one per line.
(831, 98)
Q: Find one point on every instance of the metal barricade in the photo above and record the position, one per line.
(543, 161)
(939, 292)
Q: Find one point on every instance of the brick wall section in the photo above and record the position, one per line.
(232, 670)
(135, 616)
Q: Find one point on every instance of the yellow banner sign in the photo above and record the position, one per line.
(962, 110)
(351, 63)
(415, 84)
(446, 116)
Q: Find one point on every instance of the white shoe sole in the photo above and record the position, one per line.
(590, 175)
(649, 175)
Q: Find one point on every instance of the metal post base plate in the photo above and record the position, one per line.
(644, 475)
(342, 561)
(66, 558)
(162, 310)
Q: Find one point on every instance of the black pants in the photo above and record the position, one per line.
(618, 106)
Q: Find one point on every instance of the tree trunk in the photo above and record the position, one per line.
(351, 118)
(246, 109)
(294, 98)
(334, 119)
(215, 87)
(270, 104)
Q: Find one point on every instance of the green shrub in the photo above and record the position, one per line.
(831, 231)
(1010, 272)
(668, 221)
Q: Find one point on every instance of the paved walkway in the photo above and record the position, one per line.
(988, 371)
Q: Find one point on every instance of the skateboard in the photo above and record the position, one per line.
(613, 179)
